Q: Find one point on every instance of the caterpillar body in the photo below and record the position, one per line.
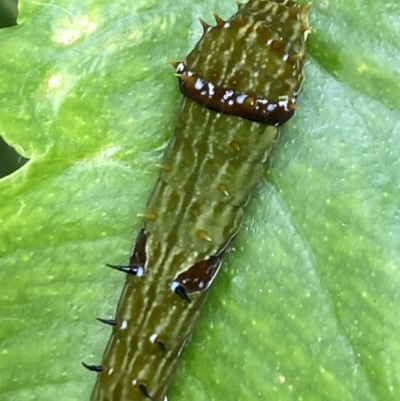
(239, 84)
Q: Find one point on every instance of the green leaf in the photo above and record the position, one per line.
(306, 305)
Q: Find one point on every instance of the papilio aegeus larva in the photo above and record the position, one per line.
(239, 83)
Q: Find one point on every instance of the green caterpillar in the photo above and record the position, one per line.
(240, 84)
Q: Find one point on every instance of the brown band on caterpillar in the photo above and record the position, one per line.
(223, 100)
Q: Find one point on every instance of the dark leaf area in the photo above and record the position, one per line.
(8, 13)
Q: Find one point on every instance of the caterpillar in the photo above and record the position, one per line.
(239, 84)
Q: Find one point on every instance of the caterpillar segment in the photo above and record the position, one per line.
(239, 84)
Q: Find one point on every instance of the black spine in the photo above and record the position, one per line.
(93, 368)
(144, 391)
(182, 293)
(110, 322)
(125, 269)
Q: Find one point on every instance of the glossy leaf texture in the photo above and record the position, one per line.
(307, 302)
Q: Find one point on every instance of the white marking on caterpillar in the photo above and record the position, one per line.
(140, 271)
(283, 101)
(228, 94)
(174, 285)
(211, 89)
(199, 84)
(241, 98)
